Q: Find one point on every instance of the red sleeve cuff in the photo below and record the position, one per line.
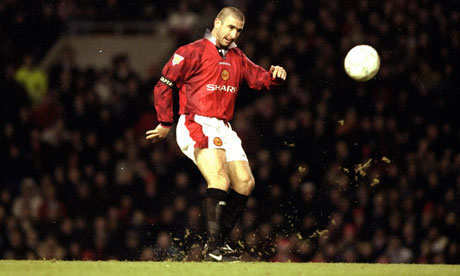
(277, 81)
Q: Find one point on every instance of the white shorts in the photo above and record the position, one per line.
(195, 131)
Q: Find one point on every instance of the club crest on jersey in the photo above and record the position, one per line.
(177, 59)
(217, 141)
(224, 74)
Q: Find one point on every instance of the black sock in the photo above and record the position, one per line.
(213, 206)
(236, 203)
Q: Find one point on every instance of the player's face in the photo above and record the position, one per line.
(227, 30)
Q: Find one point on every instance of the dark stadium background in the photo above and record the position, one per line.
(345, 171)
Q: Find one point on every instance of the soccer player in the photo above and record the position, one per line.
(208, 74)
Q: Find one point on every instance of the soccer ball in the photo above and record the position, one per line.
(362, 63)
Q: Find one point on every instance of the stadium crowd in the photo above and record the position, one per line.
(345, 171)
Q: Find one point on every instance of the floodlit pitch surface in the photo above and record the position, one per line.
(64, 268)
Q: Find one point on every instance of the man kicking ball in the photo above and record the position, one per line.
(208, 74)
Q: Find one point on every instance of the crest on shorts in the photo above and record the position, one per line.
(224, 74)
(217, 141)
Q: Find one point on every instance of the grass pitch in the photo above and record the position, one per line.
(79, 268)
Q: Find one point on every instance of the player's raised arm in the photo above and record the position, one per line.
(258, 78)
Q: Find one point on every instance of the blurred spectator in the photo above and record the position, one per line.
(27, 205)
(181, 22)
(397, 253)
(284, 251)
(33, 79)
(50, 249)
(164, 249)
(65, 65)
(51, 209)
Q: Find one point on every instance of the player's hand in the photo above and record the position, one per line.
(278, 72)
(157, 134)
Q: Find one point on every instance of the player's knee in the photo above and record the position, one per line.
(220, 182)
(247, 185)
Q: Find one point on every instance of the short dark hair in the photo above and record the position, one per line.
(235, 12)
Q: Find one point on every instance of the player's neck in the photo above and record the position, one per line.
(216, 42)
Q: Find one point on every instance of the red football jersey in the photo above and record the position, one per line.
(208, 82)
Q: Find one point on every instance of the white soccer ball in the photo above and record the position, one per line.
(362, 63)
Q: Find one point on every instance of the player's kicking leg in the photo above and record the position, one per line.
(211, 163)
(242, 184)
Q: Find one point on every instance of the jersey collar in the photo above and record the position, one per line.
(208, 35)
